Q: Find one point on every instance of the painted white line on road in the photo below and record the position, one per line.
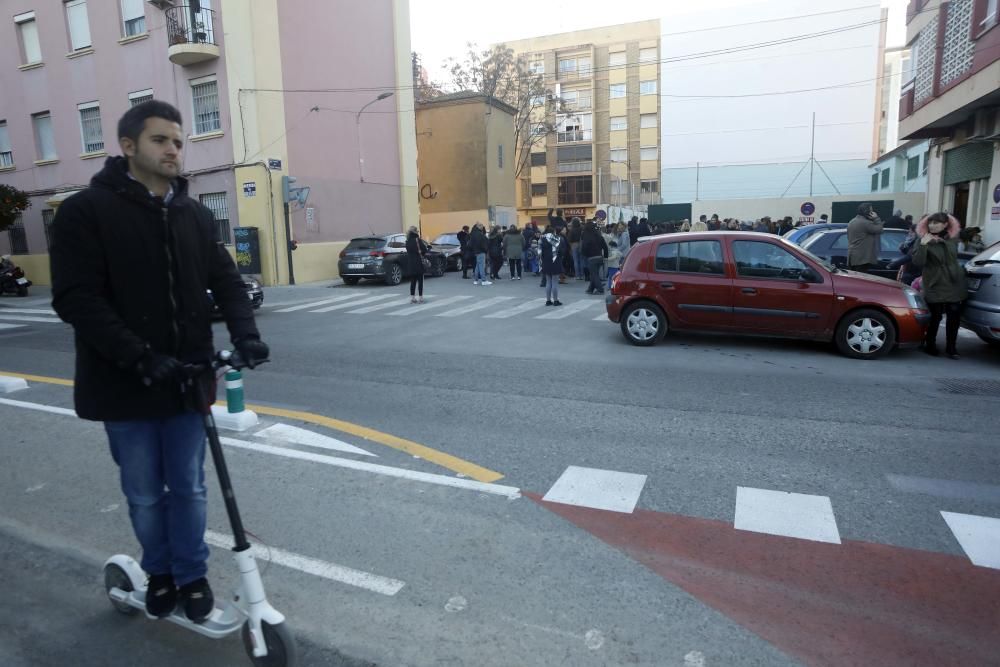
(27, 318)
(301, 436)
(597, 489)
(457, 312)
(28, 303)
(26, 311)
(788, 514)
(352, 304)
(11, 326)
(381, 306)
(516, 310)
(319, 568)
(603, 317)
(979, 537)
(560, 312)
(38, 406)
(322, 302)
(401, 473)
(8, 385)
(427, 306)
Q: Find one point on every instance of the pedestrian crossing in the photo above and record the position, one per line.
(23, 313)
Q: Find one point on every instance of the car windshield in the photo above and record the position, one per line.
(365, 244)
(804, 250)
(446, 239)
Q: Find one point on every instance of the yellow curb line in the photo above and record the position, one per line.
(453, 463)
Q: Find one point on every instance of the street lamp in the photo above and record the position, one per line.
(357, 124)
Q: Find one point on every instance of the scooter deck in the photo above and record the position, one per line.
(224, 620)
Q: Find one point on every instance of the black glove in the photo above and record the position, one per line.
(253, 350)
(157, 368)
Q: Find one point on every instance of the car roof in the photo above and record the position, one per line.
(704, 236)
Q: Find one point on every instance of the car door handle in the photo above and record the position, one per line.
(667, 285)
(748, 290)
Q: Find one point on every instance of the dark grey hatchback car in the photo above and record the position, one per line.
(382, 258)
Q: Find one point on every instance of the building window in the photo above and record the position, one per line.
(90, 127)
(140, 97)
(618, 123)
(647, 87)
(927, 156)
(912, 168)
(45, 144)
(133, 18)
(874, 182)
(620, 187)
(48, 215)
(617, 91)
(538, 100)
(567, 66)
(31, 50)
(649, 153)
(79, 25)
(885, 178)
(539, 189)
(575, 128)
(989, 15)
(17, 237)
(217, 203)
(538, 159)
(576, 190)
(619, 155)
(205, 99)
(574, 158)
(617, 59)
(499, 156)
(649, 187)
(647, 55)
(647, 120)
(537, 67)
(577, 99)
(6, 154)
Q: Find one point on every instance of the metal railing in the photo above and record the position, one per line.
(574, 135)
(184, 25)
(564, 167)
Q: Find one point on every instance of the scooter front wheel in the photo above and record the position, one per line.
(280, 645)
(116, 577)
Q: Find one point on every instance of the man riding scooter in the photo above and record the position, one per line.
(132, 257)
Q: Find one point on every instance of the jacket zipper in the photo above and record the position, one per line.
(170, 281)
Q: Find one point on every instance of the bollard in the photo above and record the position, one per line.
(234, 391)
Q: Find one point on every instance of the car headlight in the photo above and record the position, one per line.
(914, 298)
(253, 283)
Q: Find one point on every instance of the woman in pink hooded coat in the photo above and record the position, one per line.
(943, 278)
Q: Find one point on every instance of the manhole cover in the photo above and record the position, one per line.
(978, 387)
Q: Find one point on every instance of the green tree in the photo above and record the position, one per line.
(499, 74)
(12, 203)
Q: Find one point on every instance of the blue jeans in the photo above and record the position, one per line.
(579, 261)
(161, 465)
(480, 273)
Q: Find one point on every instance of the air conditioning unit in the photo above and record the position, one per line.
(162, 4)
(984, 125)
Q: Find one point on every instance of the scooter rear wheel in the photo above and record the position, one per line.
(116, 577)
(280, 646)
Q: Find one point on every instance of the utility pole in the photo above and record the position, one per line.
(812, 155)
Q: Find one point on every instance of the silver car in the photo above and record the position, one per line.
(982, 308)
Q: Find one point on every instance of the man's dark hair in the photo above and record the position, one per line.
(133, 122)
(865, 209)
(465, 228)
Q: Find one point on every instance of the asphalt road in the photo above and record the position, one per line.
(775, 503)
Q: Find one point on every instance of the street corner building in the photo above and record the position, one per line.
(283, 90)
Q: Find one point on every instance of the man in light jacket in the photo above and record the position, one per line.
(864, 234)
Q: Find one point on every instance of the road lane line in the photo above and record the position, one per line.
(26, 318)
(788, 514)
(475, 306)
(979, 537)
(427, 306)
(11, 326)
(351, 304)
(443, 459)
(321, 302)
(27, 311)
(516, 310)
(301, 436)
(381, 306)
(603, 317)
(37, 406)
(560, 312)
(319, 568)
(378, 469)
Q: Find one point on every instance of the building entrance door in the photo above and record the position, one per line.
(961, 208)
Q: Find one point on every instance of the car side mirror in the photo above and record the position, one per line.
(809, 276)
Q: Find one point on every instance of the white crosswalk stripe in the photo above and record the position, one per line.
(516, 310)
(603, 317)
(440, 303)
(322, 302)
(28, 318)
(10, 326)
(382, 306)
(561, 312)
(352, 304)
(26, 311)
(464, 310)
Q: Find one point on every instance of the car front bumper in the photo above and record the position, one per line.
(982, 318)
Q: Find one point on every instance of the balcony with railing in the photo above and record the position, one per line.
(191, 34)
(574, 135)
(575, 167)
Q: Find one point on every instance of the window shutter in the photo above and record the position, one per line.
(32, 49)
(970, 162)
(79, 27)
(132, 9)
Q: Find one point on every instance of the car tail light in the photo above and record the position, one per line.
(343, 253)
(376, 253)
(614, 280)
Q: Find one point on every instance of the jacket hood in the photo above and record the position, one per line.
(954, 228)
(114, 176)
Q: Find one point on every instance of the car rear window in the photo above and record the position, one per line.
(446, 239)
(690, 257)
(365, 244)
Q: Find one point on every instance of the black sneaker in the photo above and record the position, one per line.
(548, 303)
(557, 302)
(161, 595)
(198, 600)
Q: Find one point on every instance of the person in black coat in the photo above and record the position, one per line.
(415, 264)
(495, 252)
(463, 246)
(554, 249)
(478, 247)
(557, 221)
(595, 251)
(642, 229)
(132, 256)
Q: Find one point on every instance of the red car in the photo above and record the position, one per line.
(759, 284)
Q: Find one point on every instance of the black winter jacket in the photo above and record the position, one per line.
(130, 274)
(414, 255)
(477, 241)
(592, 244)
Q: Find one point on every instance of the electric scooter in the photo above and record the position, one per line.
(266, 638)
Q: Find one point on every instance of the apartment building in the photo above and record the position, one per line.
(605, 149)
(243, 77)
(952, 99)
